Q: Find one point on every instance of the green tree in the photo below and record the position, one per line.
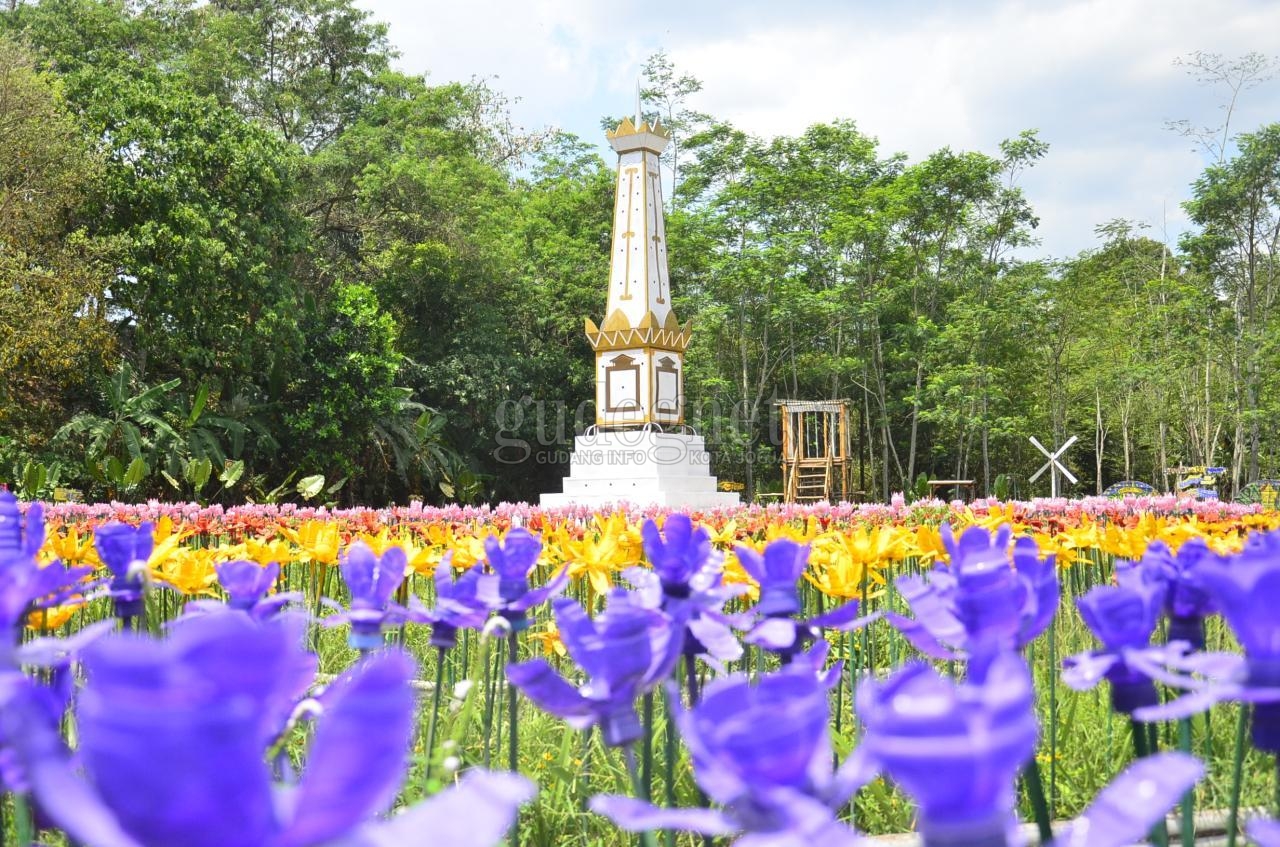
(53, 274)
(1237, 206)
(344, 383)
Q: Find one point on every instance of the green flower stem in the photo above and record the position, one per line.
(22, 821)
(1142, 746)
(1188, 799)
(1053, 723)
(629, 752)
(691, 679)
(1035, 793)
(435, 715)
(488, 703)
(669, 764)
(1237, 767)
(646, 770)
(513, 739)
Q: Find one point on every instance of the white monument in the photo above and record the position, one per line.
(640, 449)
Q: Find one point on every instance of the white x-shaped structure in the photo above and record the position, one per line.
(1053, 465)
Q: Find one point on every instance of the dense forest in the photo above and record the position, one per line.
(243, 257)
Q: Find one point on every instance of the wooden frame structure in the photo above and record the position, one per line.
(816, 450)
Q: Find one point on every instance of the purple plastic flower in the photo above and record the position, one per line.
(23, 703)
(980, 604)
(762, 752)
(707, 629)
(677, 553)
(1246, 589)
(372, 580)
(955, 748)
(125, 549)
(1135, 801)
(1265, 833)
(19, 536)
(1122, 617)
(248, 586)
(625, 651)
(512, 560)
(687, 582)
(173, 737)
(778, 571)
(24, 584)
(1186, 599)
(246, 582)
(463, 603)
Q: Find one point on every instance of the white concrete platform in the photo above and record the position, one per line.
(642, 467)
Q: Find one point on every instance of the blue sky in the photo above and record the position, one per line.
(1097, 79)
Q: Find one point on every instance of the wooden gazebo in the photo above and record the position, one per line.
(815, 450)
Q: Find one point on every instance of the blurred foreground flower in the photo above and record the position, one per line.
(172, 742)
(1265, 833)
(24, 584)
(955, 748)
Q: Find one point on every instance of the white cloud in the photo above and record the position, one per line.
(1096, 77)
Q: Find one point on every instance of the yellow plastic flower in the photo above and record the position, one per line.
(840, 562)
(72, 547)
(54, 617)
(726, 536)
(317, 540)
(549, 638)
(606, 548)
(263, 552)
(380, 542)
(735, 574)
(468, 550)
(190, 570)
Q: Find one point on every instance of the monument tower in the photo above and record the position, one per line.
(639, 450)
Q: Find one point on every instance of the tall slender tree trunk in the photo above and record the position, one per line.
(1099, 437)
(986, 444)
(915, 422)
(1163, 474)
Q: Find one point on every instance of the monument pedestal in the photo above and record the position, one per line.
(640, 467)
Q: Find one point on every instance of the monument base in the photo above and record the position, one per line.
(640, 467)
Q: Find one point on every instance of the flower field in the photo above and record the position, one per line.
(762, 676)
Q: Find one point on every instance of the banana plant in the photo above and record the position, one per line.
(120, 442)
(201, 432)
(133, 424)
(410, 443)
